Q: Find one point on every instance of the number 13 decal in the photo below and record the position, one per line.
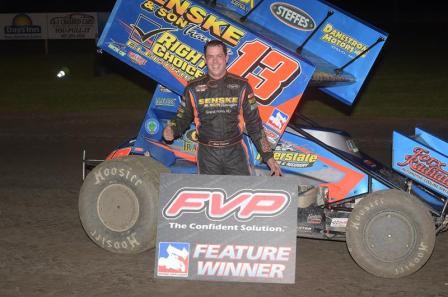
(277, 69)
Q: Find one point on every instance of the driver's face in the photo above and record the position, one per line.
(216, 61)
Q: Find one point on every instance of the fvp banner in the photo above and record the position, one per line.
(227, 228)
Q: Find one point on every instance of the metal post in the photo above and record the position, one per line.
(300, 48)
(340, 69)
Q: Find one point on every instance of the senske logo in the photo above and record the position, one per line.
(244, 205)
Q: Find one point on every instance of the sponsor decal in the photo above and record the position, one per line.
(150, 40)
(22, 25)
(278, 120)
(152, 126)
(227, 227)
(145, 30)
(192, 135)
(200, 88)
(173, 55)
(163, 101)
(129, 243)
(183, 14)
(217, 205)
(292, 16)
(180, 57)
(305, 229)
(422, 164)
(173, 259)
(101, 175)
(314, 219)
(117, 47)
(271, 136)
(218, 102)
(252, 101)
(190, 141)
(136, 58)
(144, 36)
(287, 156)
(339, 222)
(245, 5)
(342, 41)
(164, 89)
(191, 31)
(233, 86)
(244, 261)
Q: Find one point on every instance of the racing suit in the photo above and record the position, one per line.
(222, 109)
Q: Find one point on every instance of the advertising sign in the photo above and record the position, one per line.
(327, 36)
(227, 228)
(77, 25)
(421, 163)
(164, 39)
(23, 26)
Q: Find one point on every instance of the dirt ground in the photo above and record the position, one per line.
(45, 252)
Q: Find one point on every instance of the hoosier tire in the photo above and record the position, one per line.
(119, 202)
(390, 234)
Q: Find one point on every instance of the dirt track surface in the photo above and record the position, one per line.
(45, 252)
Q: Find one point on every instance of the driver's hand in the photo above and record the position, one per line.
(275, 168)
(168, 134)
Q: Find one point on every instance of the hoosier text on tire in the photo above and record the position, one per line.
(390, 234)
(118, 204)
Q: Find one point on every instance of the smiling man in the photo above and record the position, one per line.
(222, 105)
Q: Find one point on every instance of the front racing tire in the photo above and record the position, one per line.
(119, 203)
(390, 234)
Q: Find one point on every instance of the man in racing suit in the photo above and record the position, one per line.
(220, 104)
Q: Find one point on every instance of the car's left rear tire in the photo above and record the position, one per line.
(119, 203)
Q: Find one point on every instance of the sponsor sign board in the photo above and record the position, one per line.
(227, 228)
(72, 25)
(23, 26)
(170, 36)
(79, 25)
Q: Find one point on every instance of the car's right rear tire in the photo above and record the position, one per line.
(390, 234)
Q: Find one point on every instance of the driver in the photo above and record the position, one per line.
(222, 106)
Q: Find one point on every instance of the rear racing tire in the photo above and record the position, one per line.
(119, 203)
(390, 234)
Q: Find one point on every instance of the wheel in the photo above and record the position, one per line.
(390, 234)
(119, 202)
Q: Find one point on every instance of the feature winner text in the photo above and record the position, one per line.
(241, 260)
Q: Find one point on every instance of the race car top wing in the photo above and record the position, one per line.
(342, 47)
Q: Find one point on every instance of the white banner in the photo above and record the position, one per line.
(75, 25)
(23, 26)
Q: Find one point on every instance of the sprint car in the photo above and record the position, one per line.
(388, 217)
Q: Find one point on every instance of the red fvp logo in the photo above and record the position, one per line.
(244, 204)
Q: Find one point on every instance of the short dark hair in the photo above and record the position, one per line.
(215, 42)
